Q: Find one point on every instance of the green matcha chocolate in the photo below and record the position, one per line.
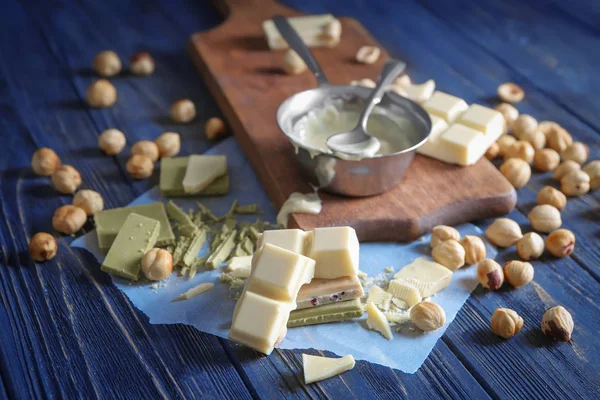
(176, 213)
(198, 240)
(172, 171)
(222, 251)
(328, 313)
(109, 222)
(137, 235)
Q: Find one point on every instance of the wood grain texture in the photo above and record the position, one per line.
(66, 332)
(243, 75)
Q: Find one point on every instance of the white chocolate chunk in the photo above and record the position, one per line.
(405, 291)
(397, 317)
(486, 120)
(295, 240)
(379, 297)
(278, 273)
(318, 368)
(201, 171)
(259, 321)
(438, 125)
(335, 251)
(376, 320)
(445, 106)
(314, 30)
(420, 93)
(239, 267)
(458, 144)
(427, 276)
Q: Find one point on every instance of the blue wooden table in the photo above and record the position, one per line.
(67, 332)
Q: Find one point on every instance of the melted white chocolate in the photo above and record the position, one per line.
(309, 203)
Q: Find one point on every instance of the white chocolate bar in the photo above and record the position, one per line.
(379, 297)
(485, 120)
(259, 321)
(458, 144)
(295, 240)
(427, 276)
(376, 320)
(326, 291)
(405, 291)
(335, 251)
(201, 171)
(279, 273)
(445, 106)
(314, 30)
(318, 368)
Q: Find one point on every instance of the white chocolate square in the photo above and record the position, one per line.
(295, 240)
(335, 251)
(258, 321)
(278, 273)
(465, 144)
(486, 120)
(445, 106)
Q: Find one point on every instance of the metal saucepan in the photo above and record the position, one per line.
(329, 172)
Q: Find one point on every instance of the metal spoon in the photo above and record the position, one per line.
(358, 141)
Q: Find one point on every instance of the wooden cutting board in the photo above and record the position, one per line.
(244, 76)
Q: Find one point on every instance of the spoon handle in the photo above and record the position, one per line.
(391, 69)
(295, 42)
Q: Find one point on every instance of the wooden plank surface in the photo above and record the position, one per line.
(66, 332)
(244, 75)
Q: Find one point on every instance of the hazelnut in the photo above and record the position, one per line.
(66, 179)
(146, 148)
(503, 232)
(293, 63)
(545, 218)
(101, 94)
(558, 139)
(546, 126)
(107, 63)
(68, 219)
(428, 316)
(45, 161)
(510, 93)
(368, 54)
(560, 243)
(518, 273)
(537, 140)
(564, 168)
(42, 247)
(474, 249)
(557, 324)
(517, 171)
(142, 64)
(215, 128)
(578, 152)
(450, 254)
(521, 149)
(89, 201)
(492, 152)
(403, 81)
(140, 166)
(530, 246)
(509, 112)
(112, 141)
(169, 144)
(506, 323)
(332, 32)
(490, 274)
(575, 183)
(549, 195)
(366, 82)
(546, 160)
(524, 126)
(593, 171)
(441, 233)
(183, 111)
(504, 144)
(157, 264)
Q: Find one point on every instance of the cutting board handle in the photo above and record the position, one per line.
(252, 9)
